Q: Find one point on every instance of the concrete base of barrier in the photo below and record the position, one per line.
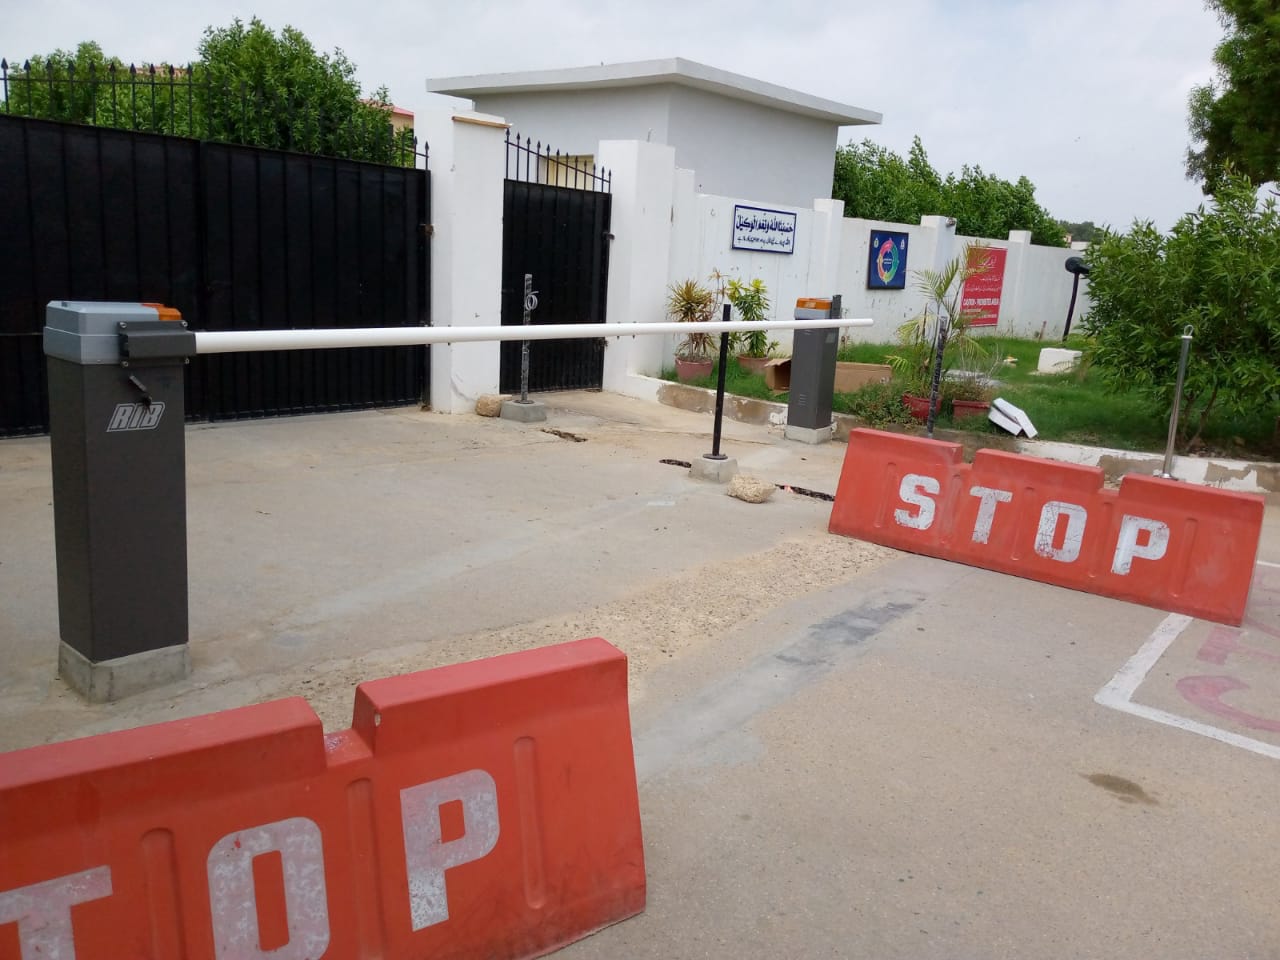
(116, 679)
(532, 412)
(810, 434)
(717, 471)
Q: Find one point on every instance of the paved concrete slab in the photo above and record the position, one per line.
(911, 765)
(843, 751)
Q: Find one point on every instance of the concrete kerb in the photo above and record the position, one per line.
(1238, 475)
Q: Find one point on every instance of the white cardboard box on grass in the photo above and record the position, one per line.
(1057, 360)
(1008, 417)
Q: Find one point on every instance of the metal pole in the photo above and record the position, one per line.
(530, 304)
(1177, 402)
(1071, 307)
(724, 362)
(939, 348)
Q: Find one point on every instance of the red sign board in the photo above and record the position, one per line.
(981, 296)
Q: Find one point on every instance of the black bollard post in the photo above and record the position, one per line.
(935, 383)
(724, 362)
(1071, 307)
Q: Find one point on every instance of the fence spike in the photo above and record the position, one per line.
(133, 70)
(26, 67)
(4, 64)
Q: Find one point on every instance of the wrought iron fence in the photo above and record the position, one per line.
(532, 162)
(190, 102)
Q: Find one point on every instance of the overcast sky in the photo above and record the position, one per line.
(1087, 99)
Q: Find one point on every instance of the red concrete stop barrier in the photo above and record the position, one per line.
(484, 809)
(1170, 545)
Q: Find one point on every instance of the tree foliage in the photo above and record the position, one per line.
(878, 184)
(297, 98)
(1235, 118)
(1083, 231)
(1218, 271)
(71, 86)
(249, 86)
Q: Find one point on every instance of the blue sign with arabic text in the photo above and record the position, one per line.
(770, 231)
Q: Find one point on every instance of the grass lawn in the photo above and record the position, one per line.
(1064, 407)
(736, 381)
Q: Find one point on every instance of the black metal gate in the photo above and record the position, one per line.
(556, 227)
(237, 238)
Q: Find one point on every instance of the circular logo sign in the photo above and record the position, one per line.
(887, 261)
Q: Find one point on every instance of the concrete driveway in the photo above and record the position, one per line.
(843, 751)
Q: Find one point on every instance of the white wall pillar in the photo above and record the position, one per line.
(941, 243)
(824, 254)
(1013, 311)
(643, 192)
(468, 164)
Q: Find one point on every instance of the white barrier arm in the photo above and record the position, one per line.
(240, 341)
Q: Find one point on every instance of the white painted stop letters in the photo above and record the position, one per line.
(233, 898)
(426, 856)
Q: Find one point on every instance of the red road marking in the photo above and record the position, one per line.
(1206, 693)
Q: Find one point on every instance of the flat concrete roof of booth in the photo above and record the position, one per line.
(674, 70)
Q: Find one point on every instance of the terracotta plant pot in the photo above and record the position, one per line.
(752, 364)
(918, 407)
(687, 370)
(964, 409)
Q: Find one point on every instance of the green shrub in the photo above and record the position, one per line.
(1217, 271)
(876, 404)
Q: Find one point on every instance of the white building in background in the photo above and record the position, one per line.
(742, 137)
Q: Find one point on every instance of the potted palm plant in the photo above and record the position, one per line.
(751, 301)
(691, 302)
(941, 330)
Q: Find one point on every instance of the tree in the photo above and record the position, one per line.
(1084, 231)
(1218, 270)
(1235, 119)
(298, 98)
(82, 87)
(878, 184)
(249, 86)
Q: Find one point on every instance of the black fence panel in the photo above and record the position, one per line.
(237, 238)
(300, 242)
(560, 235)
(86, 213)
